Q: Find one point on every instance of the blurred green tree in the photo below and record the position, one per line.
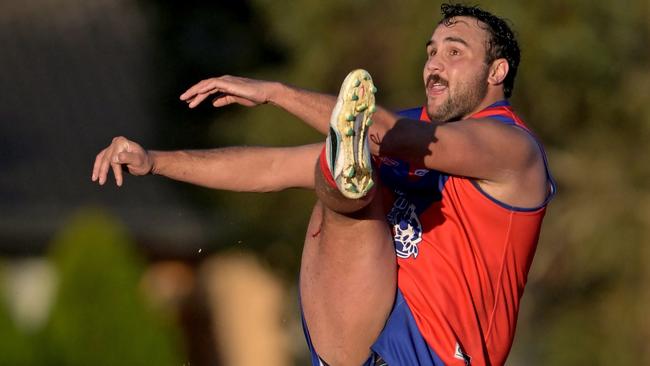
(100, 317)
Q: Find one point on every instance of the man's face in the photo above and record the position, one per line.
(455, 74)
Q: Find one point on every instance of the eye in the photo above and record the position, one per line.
(431, 52)
(454, 52)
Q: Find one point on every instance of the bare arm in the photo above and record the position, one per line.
(311, 107)
(504, 160)
(478, 148)
(241, 168)
(236, 168)
(484, 149)
(249, 169)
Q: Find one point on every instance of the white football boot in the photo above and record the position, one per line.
(347, 152)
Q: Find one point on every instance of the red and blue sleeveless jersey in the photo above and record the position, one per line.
(463, 257)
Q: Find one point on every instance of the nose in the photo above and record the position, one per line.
(433, 64)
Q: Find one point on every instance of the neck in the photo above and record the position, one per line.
(491, 97)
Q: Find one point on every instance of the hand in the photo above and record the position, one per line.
(228, 90)
(121, 152)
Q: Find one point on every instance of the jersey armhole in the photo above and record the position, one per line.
(508, 207)
(550, 181)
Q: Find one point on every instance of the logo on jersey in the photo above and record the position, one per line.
(421, 172)
(388, 161)
(459, 354)
(407, 229)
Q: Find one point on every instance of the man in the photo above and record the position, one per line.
(463, 198)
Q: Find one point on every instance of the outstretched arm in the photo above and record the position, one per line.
(244, 169)
(311, 107)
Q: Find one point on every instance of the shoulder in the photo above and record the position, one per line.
(521, 176)
(510, 138)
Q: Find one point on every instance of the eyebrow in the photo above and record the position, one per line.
(449, 39)
(456, 39)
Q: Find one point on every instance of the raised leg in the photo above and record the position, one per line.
(348, 272)
(347, 281)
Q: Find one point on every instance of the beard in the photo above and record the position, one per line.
(462, 100)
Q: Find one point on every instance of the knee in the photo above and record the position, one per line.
(335, 201)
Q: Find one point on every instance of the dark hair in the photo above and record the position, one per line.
(501, 40)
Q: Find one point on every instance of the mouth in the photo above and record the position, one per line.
(436, 85)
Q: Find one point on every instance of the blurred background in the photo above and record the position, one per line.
(158, 272)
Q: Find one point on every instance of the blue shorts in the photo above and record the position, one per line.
(399, 343)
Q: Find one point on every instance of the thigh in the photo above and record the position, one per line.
(347, 282)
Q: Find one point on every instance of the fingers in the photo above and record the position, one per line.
(211, 85)
(223, 100)
(117, 171)
(191, 92)
(129, 158)
(120, 152)
(136, 162)
(226, 90)
(198, 92)
(197, 99)
(103, 164)
(97, 165)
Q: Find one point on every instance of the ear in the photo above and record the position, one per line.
(498, 71)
